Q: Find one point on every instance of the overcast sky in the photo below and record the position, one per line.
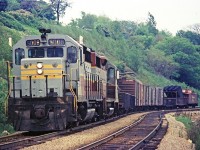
(171, 15)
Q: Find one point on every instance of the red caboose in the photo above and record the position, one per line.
(190, 97)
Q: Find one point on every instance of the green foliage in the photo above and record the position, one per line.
(27, 20)
(194, 133)
(10, 21)
(13, 5)
(37, 8)
(3, 119)
(59, 7)
(193, 129)
(184, 53)
(185, 120)
(151, 23)
(121, 66)
(3, 5)
(172, 45)
(162, 64)
(192, 36)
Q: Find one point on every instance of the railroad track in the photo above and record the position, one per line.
(25, 139)
(10, 137)
(155, 141)
(131, 137)
(144, 134)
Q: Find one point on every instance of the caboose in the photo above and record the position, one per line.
(190, 97)
(58, 82)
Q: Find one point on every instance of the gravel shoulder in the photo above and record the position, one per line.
(70, 142)
(176, 136)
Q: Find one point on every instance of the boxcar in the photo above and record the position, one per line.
(126, 102)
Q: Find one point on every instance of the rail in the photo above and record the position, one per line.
(112, 136)
(148, 137)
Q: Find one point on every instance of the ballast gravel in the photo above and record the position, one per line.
(74, 141)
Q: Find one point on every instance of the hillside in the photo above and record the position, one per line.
(156, 57)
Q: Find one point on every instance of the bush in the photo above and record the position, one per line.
(194, 133)
(185, 120)
(193, 129)
(10, 22)
(27, 20)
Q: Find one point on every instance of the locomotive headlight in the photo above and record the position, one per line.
(39, 65)
(39, 71)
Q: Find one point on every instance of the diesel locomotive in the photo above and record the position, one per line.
(58, 82)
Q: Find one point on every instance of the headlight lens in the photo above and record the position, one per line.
(39, 65)
(39, 71)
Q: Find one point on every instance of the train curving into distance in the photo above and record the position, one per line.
(58, 82)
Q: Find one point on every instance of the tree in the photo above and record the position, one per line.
(3, 5)
(162, 64)
(38, 8)
(151, 23)
(13, 5)
(185, 54)
(87, 21)
(28, 5)
(59, 7)
(195, 28)
(194, 37)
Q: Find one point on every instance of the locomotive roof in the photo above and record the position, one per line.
(172, 88)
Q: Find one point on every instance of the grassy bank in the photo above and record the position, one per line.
(193, 129)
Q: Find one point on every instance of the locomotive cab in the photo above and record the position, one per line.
(45, 70)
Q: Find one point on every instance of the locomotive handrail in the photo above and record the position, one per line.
(72, 91)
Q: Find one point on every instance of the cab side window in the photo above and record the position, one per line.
(19, 54)
(111, 73)
(72, 54)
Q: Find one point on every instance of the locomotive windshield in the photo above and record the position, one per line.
(54, 52)
(36, 53)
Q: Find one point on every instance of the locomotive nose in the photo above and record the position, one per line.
(39, 112)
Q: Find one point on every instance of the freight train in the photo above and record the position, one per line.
(58, 82)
